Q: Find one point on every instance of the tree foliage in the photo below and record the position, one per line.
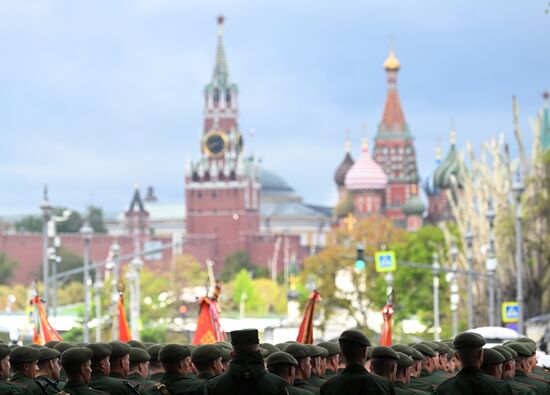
(95, 218)
(33, 223)
(7, 266)
(237, 261)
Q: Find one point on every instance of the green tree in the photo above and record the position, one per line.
(95, 218)
(243, 288)
(240, 260)
(7, 266)
(72, 224)
(29, 223)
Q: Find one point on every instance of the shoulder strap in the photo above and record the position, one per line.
(62, 393)
(162, 389)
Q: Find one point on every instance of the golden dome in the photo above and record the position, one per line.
(392, 63)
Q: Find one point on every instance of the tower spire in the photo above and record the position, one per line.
(393, 119)
(220, 77)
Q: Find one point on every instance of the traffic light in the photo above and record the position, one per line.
(360, 258)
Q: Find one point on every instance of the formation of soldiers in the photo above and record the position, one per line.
(348, 366)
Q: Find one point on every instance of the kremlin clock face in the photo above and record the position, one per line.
(215, 143)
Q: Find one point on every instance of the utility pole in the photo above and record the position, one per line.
(115, 251)
(86, 231)
(469, 238)
(46, 208)
(518, 188)
(435, 266)
(455, 297)
(491, 262)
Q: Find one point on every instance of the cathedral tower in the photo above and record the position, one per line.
(394, 148)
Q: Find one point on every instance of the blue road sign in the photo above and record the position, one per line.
(385, 261)
(510, 312)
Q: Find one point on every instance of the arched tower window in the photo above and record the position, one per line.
(216, 96)
(228, 97)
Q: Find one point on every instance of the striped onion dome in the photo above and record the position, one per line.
(414, 205)
(429, 183)
(342, 170)
(365, 173)
(449, 171)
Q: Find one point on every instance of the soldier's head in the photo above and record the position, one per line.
(155, 366)
(207, 358)
(492, 363)
(139, 361)
(415, 355)
(428, 357)
(77, 363)
(245, 341)
(120, 358)
(523, 356)
(404, 365)
(48, 363)
(24, 360)
(469, 349)
(353, 346)
(333, 355)
(317, 354)
(384, 362)
(100, 357)
(300, 352)
(175, 358)
(443, 352)
(532, 347)
(283, 365)
(4, 361)
(509, 364)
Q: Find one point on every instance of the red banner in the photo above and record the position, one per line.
(208, 323)
(43, 330)
(123, 330)
(305, 334)
(385, 335)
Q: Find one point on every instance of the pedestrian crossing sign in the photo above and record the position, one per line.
(385, 261)
(510, 312)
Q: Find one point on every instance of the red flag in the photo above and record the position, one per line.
(123, 331)
(43, 330)
(208, 324)
(385, 335)
(305, 334)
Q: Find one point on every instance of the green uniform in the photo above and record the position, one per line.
(435, 378)
(329, 373)
(246, 375)
(473, 381)
(77, 387)
(50, 389)
(422, 383)
(305, 385)
(297, 391)
(6, 388)
(109, 384)
(156, 377)
(177, 384)
(355, 379)
(144, 385)
(315, 380)
(541, 387)
(404, 389)
(519, 388)
(22, 384)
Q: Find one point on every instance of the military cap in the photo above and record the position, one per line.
(245, 337)
(433, 345)
(24, 354)
(520, 349)
(63, 346)
(191, 347)
(530, 346)
(424, 349)
(503, 351)
(4, 351)
(512, 352)
(12, 346)
(492, 357)
(76, 356)
(270, 348)
(81, 344)
(206, 352)
(119, 349)
(469, 340)
(369, 353)
(136, 344)
(354, 336)
(100, 351)
(281, 346)
(526, 340)
(173, 353)
(153, 351)
(37, 346)
(383, 352)
(51, 343)
(48, 353)
(148, 344)
(332, 348)
(226, 345)
(404, 360)
(417, 355)
(451, 353)
(139, 355)
(402, 348)
(316, 351)
(297, 350)
(443, 348)
(281, 358)
(226, 354)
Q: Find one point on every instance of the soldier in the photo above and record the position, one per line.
(492, 363)
(471, 379)
(317, 354)
(155, 366)
(176, 360)
(269, 349)
(508, 371)
(49, 372)
(403, 375)
(301, 353)
(139, 369)
(332, 359)
(421, 380)
(23, 361)
(101, 368)
(136, 344)
(208, 360)
(523, 368)
(246, 374)
(355, 379)
(227, 351)
(438, 373)
(284, 365)
(384, 362)
(52, 343)
(77, 366)
(5, 386)
(119, 360)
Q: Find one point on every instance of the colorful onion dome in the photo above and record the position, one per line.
(414, 205)
(342, 170)
(392, 63)
(366, 173)
(429, 184)
(449, 171)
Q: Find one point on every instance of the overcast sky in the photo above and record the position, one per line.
(96, 96)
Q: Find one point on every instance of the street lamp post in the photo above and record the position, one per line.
(518, 188)
(469, 237)
(491, 262)
(55, 262)
(86, 231)
(115, 251)
(454, 288)
(98, 288)
(46, 208)
(435, 266)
